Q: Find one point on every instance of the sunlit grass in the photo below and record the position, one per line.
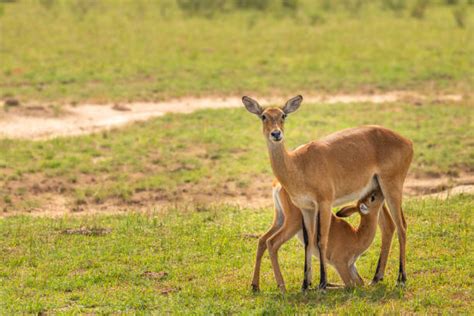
(186, 262)
(130, 50)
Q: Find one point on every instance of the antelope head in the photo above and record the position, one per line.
(273, 118)
(368, 205)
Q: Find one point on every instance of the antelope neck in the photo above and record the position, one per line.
(366, 230)
(280, 161)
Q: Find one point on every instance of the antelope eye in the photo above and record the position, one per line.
(283, 116)
(372, 198)
(264, 117)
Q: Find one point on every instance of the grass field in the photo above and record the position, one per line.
(172, 238)
(201, 263)
(143, 50)
(212, 153)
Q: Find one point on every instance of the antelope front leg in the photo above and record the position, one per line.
(309, 234)
(324, 224)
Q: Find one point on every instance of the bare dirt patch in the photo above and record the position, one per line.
(168, 290)
(155, 275)
(86, 231)
(38, 194)
(49, 201)
(40, 121)
(439, 185)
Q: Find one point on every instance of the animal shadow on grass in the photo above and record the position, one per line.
(335, 296)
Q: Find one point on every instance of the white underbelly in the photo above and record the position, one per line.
(373, 184)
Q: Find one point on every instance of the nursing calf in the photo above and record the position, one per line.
(345, 243)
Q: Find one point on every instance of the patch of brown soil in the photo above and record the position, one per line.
(167, 291)
(86, 231)
(250, 236)
(39, 121)
(54, 198)
(38, 194)
(36, 111)
(432, 185)
(155, 275)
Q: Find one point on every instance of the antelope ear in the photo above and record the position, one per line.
(292, 104)
(251, 105)
(347, 211)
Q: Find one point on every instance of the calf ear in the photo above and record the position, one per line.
(251, 105)
(292, 104)
(363, 208)
(347, 211)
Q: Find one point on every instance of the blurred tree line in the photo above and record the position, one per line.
(212, 8)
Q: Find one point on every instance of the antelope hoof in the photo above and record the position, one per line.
(401, 283)
(334, 286)
(255, 288)
(322, 286)
(402, 279)
(376, 280)
(282, 288)
(305, 286)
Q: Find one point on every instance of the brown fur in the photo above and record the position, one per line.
(345, 243)
(338, 166)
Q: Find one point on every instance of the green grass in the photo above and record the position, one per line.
(209, 261)
(177, 156)
(199, 259)
(145, 50)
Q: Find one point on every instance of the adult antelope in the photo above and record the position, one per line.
(336, 169)
(345, 243)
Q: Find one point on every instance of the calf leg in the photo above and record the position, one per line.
(345, 274)
(262, 246)
(286, 232)
(356, 276)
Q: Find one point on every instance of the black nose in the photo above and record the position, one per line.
(276, 134)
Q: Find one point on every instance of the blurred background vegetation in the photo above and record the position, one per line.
(80, 50)
(211, 8)
(74, 51)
